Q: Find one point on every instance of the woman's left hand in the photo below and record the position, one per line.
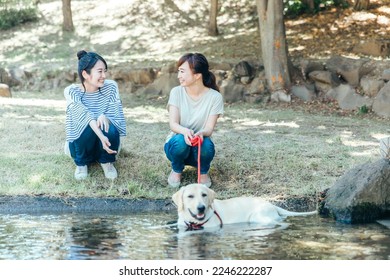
(106, 145)
(103, 123)
(200, 134)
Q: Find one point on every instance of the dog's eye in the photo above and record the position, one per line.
(204, 194)
(190, 196)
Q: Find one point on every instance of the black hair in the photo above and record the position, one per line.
(87, 61)
(199, 64)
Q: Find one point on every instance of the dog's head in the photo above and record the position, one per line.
(194, 202)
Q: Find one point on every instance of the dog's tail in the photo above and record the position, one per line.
(286, 213)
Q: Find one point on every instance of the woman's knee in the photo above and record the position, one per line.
(112, 133)
(208, 148)
(177, 147)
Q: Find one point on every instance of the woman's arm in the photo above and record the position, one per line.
(174, 124)
(209, 127)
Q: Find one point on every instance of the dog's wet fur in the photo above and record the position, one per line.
(198, 208)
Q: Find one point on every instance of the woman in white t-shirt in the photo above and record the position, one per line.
(194, 108)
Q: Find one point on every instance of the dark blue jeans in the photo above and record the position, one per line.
(88, 148)
(180, 154)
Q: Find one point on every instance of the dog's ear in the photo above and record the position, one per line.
(211, 196)
(177, 198)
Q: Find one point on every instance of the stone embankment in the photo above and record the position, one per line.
(355, 84)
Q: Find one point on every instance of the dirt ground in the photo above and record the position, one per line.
(144, 33)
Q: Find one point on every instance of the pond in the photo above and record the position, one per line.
(148, 236)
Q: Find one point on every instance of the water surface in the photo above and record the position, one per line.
(146, 236)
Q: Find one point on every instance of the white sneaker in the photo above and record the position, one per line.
(109, 170)
(81, 172)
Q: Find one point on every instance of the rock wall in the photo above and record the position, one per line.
(355, 84)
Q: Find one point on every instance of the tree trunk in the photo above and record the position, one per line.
(361, 5)
(213, 29)
(67, 13)
(273, 45)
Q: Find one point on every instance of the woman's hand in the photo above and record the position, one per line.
(200, 134)
(106, 145)
(188, 135)
(103, 123)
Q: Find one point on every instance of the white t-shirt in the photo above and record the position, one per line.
(194, 113)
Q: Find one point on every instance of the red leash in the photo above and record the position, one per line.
(197, 141)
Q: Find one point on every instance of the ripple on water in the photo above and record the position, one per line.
(147, 236)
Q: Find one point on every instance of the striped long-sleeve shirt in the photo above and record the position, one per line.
(84, 107)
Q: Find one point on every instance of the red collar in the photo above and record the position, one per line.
(195, 226)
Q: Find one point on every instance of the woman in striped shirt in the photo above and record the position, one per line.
(94, 117)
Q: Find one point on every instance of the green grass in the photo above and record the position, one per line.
(276, 153)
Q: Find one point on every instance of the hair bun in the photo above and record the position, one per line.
(81, 53)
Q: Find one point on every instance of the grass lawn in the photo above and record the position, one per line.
(277, 152)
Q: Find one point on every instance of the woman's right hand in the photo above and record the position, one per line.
(188, 135)
(103, 123)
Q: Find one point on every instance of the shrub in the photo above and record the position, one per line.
(295, 8)
(13, 17)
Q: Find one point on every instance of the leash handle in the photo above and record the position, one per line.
(197, 141)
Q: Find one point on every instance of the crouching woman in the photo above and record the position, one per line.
(94, 117)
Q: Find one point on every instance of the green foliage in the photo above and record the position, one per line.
(297, 7)
(11, 17)
(14, 13)
(363, 110)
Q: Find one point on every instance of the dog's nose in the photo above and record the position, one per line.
(201, 208)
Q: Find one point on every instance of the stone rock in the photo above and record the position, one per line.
(307, 66)
(220, 75)
(5, 91)
(379, 48)
(6, 78)
(304, 92)
(169, 68)
(245, 80)
(351, 70)
(257, 86)
(325, 77)
(371, 86)
(280, 95)
(231, 91)
(161, 86)
(18, 75)
(70, 76)
(322, 88)
(347, 98)
(220, 66)
(243, 69)
(252, 98)
(361, 195)
(386, 75)
(136, 76)
(381, 105)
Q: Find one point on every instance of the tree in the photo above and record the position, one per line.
(213, 29)
(274, 47)
(361, 5)
(67, 13)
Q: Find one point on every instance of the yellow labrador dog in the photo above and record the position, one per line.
(197, 209)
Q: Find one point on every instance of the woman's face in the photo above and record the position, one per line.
(95, 79)
(185, 75)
